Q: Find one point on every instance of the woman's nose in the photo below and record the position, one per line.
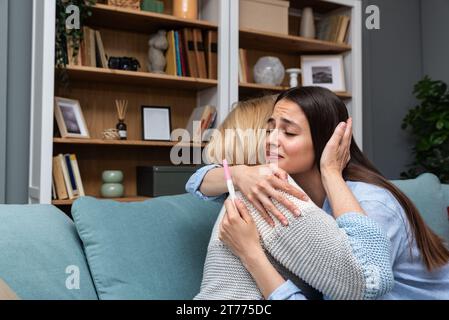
(273, 138)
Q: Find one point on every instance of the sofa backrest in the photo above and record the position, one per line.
(431, 198)
(41, 256)
(154, 249)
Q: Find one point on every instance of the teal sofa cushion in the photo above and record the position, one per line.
(38, 245)
(153, 249)
(431, 198)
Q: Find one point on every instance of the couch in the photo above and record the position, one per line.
(153, 249)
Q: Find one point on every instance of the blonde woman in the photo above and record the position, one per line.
(294, 254)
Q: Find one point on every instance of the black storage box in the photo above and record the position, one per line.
(155, 181)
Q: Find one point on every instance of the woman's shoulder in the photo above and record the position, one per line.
(367, 192)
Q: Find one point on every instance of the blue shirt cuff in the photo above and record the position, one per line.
(194, 183)
(287, 291)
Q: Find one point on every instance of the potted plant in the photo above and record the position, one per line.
(429, 124)
(65, 35)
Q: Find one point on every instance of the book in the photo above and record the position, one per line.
(182, 53)
(211, 53)
(333, 28)
(77, 174)
(243, 66)
(343, 29)
(71, 60)
(170, 55)
(88, 52)
(178, 55)
(53, 190)
(189, 48)
(199, 121)
(102, 61)
(65, 173)
(58, 178)
(72, 180)
(199, 52)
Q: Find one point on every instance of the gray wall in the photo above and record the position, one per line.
(18, 77)
(411, 43)
(392, 64)
(3, 82)
(435, 28)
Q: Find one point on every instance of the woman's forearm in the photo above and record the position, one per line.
(214, 183)
(341, 198)
(264, 274)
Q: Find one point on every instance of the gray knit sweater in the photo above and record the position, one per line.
(312, 247)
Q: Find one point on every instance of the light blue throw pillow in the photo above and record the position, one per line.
(430, 198)
(153, 249)
(41, 255)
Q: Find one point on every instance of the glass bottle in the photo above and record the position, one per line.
(122, 132)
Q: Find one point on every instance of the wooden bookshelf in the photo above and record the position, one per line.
(125, 143)
(126, 33)
(254, 88)
(111, 17)
(69, 202)
(266, 41)
(138, 78)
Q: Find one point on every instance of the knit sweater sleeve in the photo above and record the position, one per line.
(348, 259)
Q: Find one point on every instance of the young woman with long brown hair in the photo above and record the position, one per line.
(310, 138)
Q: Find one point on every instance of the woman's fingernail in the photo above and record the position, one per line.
(285, 222)
(297, 212)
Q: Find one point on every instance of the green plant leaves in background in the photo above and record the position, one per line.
(429, 125)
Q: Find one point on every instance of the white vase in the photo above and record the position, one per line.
(307, 29)
(294, 73)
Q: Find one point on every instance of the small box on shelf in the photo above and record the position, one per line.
(154, 181)
(274, 13)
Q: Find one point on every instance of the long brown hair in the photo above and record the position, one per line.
(324, 111)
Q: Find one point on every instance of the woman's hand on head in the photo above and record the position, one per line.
(238, 231)
(336, 154)
(261, 183)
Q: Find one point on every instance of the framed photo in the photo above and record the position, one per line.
(324, 71)
(70, 119)
(156, 123)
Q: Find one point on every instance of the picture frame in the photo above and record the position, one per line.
(156, 123)
(324, 71)
(70, 118)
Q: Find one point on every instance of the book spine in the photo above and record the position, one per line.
(65, 174)
(77, 174)
(178, 55)
(58, 177)
(71, 175)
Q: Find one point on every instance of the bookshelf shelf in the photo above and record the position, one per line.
(248, 88)
(93, 74)
(140, 21)
(69, 202)
(266, 41)
(124, 143)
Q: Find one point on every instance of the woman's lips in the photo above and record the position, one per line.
(274, 156)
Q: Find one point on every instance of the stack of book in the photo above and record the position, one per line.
(333, 28)
(192, 53)
(67, 183)
(243, 66)
(91, 52)
(201, 119)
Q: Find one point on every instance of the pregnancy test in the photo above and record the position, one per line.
(229, 183)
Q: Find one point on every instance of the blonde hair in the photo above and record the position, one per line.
(240, 139)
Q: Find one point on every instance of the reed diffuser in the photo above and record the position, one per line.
(122, 106)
